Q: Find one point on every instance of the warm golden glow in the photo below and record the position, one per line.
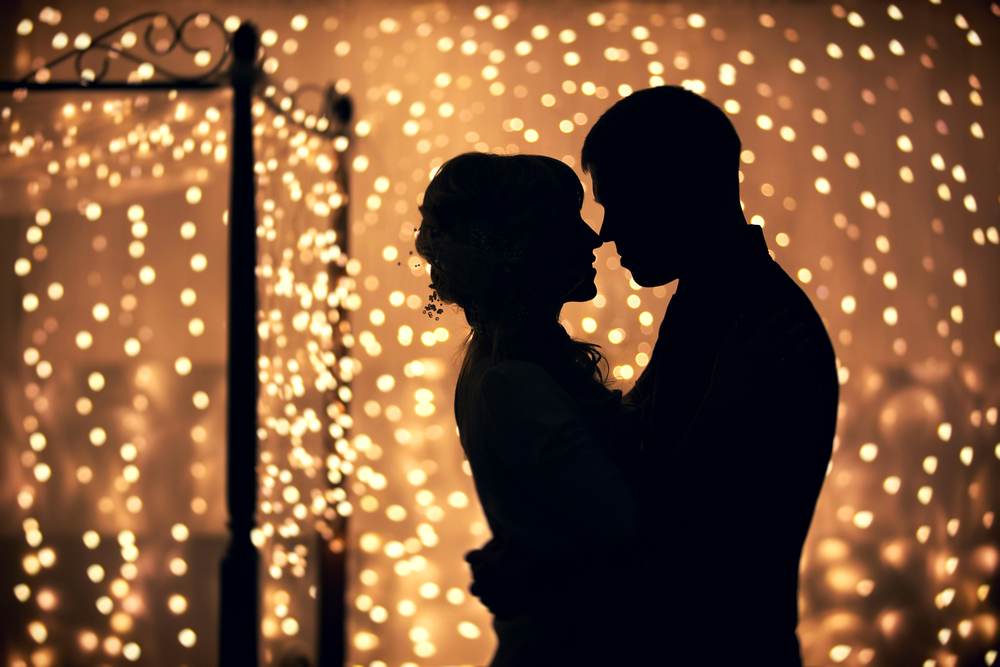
(395, 462)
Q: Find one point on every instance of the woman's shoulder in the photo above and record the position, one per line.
(485, 372)
(506, 382)
(516, 389)
(501, 398)
(516, 369)
(519, 381)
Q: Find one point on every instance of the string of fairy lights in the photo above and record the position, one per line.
(433, 82)
(305, 359)
(122, 381)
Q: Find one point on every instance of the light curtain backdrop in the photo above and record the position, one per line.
(870, 160)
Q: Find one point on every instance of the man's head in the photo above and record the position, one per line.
(664, 163)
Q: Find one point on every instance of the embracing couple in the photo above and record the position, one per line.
(663, 526)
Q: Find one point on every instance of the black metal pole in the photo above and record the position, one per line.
(239, 625)
(240, 598)
(333, 567)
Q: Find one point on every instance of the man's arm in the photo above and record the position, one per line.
(498, 578)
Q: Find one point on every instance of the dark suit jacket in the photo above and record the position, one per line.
(725, 515)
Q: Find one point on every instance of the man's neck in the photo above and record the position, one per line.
(716, 265)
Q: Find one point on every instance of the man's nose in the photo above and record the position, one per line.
(593, 240)
(607, 229)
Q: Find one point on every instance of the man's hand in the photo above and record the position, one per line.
(499, 578)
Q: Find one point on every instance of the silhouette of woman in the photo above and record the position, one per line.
(552, 449)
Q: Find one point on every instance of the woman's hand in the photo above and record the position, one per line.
(777, 349)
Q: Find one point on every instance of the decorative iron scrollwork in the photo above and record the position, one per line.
(162, 36)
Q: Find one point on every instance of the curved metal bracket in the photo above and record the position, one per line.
(113, 50)
(331, 119)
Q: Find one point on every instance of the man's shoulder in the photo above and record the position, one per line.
(781, 291)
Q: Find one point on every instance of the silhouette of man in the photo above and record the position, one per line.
(723, 519)
(724, 522)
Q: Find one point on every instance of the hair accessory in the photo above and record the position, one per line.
(430, 309)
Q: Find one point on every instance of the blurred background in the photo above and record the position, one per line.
(870, 160)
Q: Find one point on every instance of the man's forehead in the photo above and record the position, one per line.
(610, 179)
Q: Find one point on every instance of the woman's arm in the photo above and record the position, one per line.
(549, 448)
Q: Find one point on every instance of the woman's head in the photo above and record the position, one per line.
(504, 236)
(505, 241)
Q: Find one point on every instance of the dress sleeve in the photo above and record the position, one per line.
(548, 446)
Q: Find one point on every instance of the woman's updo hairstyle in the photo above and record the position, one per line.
(481, 213)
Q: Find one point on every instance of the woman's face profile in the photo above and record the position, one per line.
(538, 212)
(563, 255)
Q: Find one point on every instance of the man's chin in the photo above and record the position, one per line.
(582, 293)
(649, 276)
